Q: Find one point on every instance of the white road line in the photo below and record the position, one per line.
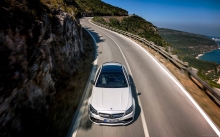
(146, 133)
(178, 84)
(83, 105)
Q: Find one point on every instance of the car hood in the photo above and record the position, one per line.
(103, 99)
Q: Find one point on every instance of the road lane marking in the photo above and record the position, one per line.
(144, 124)
(176, 82)
(75, 126)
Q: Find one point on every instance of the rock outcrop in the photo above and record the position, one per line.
(38, 51)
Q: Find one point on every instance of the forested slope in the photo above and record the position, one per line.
(99, 8)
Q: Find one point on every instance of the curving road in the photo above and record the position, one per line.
(164, 110)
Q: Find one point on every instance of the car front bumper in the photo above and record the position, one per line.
(124, 120)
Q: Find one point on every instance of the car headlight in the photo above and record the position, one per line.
(129, 110)
(93, 110)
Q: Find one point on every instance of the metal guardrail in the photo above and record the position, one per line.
(181, 65)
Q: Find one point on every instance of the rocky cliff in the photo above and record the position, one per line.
(39, 47)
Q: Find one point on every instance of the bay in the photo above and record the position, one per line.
(212, 56)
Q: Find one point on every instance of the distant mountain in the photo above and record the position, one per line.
(215, 38)
(99, 8)
(178, 38)
(187, 44)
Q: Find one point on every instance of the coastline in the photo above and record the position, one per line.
(218, 47)
(210, 56)
(199, 56)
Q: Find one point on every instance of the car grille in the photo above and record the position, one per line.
(104, 115)
(101, 121)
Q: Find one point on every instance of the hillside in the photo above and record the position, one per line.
(41, 45)
(188, 46)
(136, 25)
(99, 8)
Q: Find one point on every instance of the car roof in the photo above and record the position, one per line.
(112, 67)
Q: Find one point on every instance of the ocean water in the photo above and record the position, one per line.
(212, 56)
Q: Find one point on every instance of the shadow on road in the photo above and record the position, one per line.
(134, 94)
(95, 35)
(98, 39)
(85, 123)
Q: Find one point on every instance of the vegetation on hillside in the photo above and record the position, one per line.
(208, 71)
(202, 74)
(136, 25)
(25, 12)
(69, 6)
(180, 38)
(99, 8)
(187, 46)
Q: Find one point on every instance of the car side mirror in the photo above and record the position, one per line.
(138, 93)
(93, 82)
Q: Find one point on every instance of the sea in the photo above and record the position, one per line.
(212, 56)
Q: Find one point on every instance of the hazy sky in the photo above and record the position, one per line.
(197, 16)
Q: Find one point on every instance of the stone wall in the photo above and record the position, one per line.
(37, 55)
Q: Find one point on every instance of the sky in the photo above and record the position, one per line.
(195, 16)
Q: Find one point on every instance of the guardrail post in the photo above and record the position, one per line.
(202, 87)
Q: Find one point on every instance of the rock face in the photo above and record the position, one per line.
(37, 54)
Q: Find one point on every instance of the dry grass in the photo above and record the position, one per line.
(120, 18)
(66, 101)
(205, 102)
(60, 4)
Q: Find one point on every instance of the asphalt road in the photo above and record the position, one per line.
(168, 112)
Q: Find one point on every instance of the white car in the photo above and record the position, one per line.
(111, 102)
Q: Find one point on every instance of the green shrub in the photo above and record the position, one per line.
(99, 8)
(137, 26)
(99, 19)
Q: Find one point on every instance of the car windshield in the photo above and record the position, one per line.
(111, 80)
